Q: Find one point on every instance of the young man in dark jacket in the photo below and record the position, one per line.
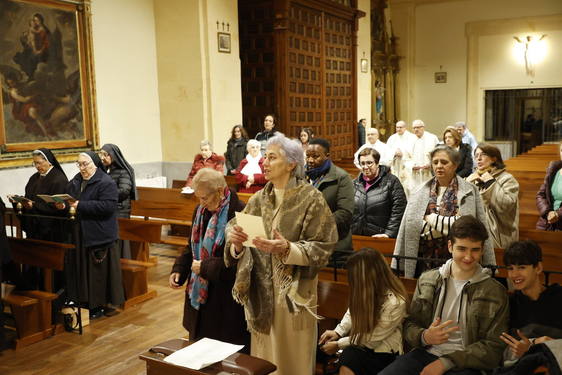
(457, 312)
(534, 309)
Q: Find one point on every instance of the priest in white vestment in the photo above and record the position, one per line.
(419, 164)
(374, 142)
(400, 145)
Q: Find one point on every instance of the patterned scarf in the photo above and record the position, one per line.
(449, 204)
(437, 248)
(204, 245)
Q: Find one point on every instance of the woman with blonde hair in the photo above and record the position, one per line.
(370, 332)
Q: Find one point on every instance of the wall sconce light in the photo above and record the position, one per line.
(531, 50)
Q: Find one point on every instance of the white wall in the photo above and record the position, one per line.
(126, 80)
(432, 37)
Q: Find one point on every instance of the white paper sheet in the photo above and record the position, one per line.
(252, 225)
(186, 190)
(203, 353)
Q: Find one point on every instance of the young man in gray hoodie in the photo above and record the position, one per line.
(457, 312)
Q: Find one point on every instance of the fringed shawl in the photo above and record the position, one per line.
(307, 222)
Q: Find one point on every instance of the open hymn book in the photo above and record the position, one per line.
(57, 198)
(19, 198)
(202, 353)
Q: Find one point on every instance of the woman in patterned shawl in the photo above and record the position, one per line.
(209, 310)
(277, 276)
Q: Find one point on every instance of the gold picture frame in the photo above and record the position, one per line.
(47, 76)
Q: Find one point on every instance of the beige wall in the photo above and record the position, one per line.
(200, 89)
(126, 81)
(433, 37)
(364, 51)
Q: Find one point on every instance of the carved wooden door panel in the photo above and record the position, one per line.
(307, 52)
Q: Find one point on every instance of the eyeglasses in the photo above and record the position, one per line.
(83, 164)
(103, 154)
(367, 164)
(37, 163)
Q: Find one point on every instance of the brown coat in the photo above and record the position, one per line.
(220, 318)
(545, 201)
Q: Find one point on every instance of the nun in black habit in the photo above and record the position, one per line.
(50, 180)
(98, 268)
(123, 174)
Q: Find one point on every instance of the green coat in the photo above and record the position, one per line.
(337, 189)
(486, 312)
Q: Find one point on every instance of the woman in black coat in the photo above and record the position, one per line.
(380, 200)
(98, 268)
(123, 175)
(236, 148)
(453, 139)
(209, 310)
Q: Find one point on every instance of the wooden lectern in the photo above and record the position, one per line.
(236, 364)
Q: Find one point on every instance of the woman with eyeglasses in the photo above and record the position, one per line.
(49, 180)
(98, 267)
(380, 200)
(499, 191)
(209, 309)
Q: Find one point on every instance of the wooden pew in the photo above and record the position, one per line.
(165, 206)
(135, 282)
(32, 309)
(384, 245)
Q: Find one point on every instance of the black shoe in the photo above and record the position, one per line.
(96, 313)
(110, 311)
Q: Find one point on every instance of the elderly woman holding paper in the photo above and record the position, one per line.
(209, 309)
(277, 276)
(98, 268)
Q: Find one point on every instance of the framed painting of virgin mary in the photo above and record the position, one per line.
(47, 97)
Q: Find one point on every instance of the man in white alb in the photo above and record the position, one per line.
(420, 164)
(401, 144)
(374, 142)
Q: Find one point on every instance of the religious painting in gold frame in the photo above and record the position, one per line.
(46, 72)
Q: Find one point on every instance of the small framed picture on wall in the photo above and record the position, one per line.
(224, 42)
(440, 77)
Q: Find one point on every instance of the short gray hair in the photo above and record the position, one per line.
(418, 122)
(453, 154)
(205, 143)
(460, 123)
(252, 142)
(291, 148)
(208, 179)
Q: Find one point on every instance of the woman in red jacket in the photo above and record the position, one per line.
(250, 175)
(205, 159)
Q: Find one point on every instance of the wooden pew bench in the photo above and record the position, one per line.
(32, 309)
(135, 282)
